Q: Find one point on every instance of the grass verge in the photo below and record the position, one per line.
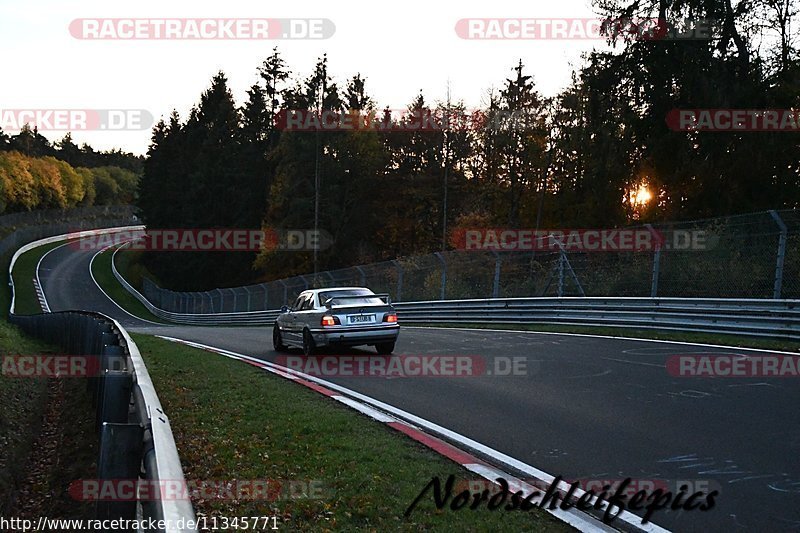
(736, 341)
(22, 404)
(47, 437)
(26, 301)
(234, 422)
(101, 269)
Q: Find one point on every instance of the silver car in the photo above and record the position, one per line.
(343, 316)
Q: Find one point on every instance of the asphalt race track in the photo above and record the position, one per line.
(588, 408)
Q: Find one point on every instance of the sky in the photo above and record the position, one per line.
(400, 47)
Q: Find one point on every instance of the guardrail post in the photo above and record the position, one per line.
(444, 273)
(111, 358)
(399, 280)
(778, 287)
(496, 284)
(115, 397)
(120, 459)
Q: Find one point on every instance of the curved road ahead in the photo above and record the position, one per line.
(589, 408)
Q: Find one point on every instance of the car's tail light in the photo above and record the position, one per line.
(329, 320)
(390, 318)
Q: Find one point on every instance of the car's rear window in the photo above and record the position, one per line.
(368, 297)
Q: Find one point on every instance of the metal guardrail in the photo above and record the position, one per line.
(135, 433)
(753, 317)
(761, 318)
(254, 318)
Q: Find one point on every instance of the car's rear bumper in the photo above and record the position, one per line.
(348, 336)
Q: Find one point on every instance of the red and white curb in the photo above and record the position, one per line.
(421, 431)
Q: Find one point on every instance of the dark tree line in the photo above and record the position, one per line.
(31, 143)
(574, 159)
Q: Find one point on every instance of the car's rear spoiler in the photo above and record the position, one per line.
(354, 296)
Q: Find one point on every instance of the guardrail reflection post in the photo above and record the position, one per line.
(444, 273)
(778, 287)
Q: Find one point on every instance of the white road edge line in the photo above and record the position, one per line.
(39, 281)
(594, 336)
(573, 517)
(91, 262)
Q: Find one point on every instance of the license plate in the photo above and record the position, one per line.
(361, 319)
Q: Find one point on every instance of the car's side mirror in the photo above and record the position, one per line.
(284, 309)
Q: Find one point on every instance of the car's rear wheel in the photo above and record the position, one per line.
(385, 348)
(308, 343)
(277, 340)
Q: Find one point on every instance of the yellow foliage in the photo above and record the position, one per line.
(48, 181)
(19, 185)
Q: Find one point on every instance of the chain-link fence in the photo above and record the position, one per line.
(745, 256)
(18, 229)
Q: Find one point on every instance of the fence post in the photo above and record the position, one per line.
(399, 280)
(496, 284)
(444, 273)
(776, 292)
(248, 298)
(656, 263)
(363, 276)
(285, 292)
(233, 291)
